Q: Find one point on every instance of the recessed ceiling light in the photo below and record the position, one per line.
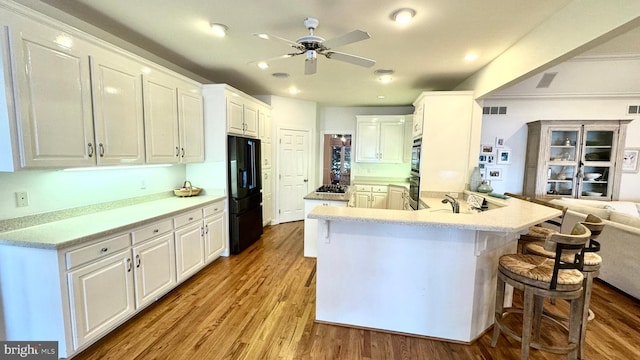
(381, 97)
(280, 75)
(385, 79)
(403, 16)
(262, 36)
(219, 30)
(263, 65)
(293, 91)
(471, 56)
(384, 75)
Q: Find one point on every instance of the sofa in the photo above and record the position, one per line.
(620, 239)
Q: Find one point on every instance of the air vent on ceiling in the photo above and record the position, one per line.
(633, 110)
(546, 80)
(494, 110)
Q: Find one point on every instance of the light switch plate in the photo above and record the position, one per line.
(22, 199)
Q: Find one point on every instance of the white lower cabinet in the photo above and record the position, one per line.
(155, 268)
(189, 244)
(215, 231)
(101, 295)
(397, 197)
(371, 196)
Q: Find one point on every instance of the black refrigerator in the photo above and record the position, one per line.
(245, 200)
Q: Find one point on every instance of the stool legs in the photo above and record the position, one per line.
(499, 308)
(527, 324)
(587, 288)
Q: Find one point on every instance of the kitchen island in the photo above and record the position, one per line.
(429, 272)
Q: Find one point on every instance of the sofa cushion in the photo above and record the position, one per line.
(599, 210)
(626, 207)
(624, 219)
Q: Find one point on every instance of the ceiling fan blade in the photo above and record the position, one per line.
(348, 38)
(285, 56)
(310, 66)
(351, 59)
(293, 44)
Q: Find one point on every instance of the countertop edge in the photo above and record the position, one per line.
(19, 237)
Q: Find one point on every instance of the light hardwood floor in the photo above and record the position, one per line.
(261, 305)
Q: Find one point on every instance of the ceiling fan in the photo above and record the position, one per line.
(312, 45)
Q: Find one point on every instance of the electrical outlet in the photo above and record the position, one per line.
(22, 198)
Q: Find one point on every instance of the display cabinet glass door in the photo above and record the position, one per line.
(597, 162)
(563, 161)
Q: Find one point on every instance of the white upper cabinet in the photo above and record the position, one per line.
(380, 139)
(53, 97)
(418, 118)
(173, 119)
(191, 121)
(72, 100)
(242, 115)
(118, 116)
(264, 125)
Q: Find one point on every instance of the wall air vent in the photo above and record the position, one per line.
(494, 110)
(546, 80)
(633, 110)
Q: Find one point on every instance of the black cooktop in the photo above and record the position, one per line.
(334, 188)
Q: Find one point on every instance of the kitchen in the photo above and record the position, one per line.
(130, 183)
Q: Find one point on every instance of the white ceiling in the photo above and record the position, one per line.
(428, 54)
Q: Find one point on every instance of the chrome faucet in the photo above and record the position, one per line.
(455, 206)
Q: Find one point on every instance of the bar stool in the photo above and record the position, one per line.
(540, 232)
(539, 278)
(590, 269)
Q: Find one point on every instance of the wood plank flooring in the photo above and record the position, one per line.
(261, 305)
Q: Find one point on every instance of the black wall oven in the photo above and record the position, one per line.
(414, 192)
(415, 156)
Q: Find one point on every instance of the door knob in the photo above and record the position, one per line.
(306, 180)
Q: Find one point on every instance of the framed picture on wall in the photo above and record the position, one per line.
(486, 149)
(482, 158)
(491, 159)
(499, 142)
(494, 173)
(504, 156)
(630, 160)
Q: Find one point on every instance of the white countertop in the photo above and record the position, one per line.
(510, 215)
(75, 230)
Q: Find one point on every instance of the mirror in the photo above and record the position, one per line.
(336, 167)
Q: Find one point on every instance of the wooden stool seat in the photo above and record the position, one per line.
(541, 277)
(537, 271)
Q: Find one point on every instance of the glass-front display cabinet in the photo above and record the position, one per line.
(578, 159)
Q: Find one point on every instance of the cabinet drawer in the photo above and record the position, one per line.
(380, 188)
(363, 187)
(213, 209)
(96, 251)
(188, 218)
(150, 231)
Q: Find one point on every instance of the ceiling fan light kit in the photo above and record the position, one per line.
(312, 45)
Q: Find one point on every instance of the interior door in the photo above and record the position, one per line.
(294, 173)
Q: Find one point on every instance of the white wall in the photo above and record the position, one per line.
(342, 120)
(51, 190)
(512, 127)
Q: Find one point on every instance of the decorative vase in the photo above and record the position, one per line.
(485, 187)
(475, 180)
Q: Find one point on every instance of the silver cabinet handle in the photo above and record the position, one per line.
(190, 218)
(104, 250)
(137, 261)
(206, 229)
(128, 265)
(90, 149)
(182, 151)
(155, 231)
(177, 151)
(101, 147)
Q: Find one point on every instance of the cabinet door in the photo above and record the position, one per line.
(55, 124)
(101, 295)
(267, 183)
(266, 155)
(118, 116)
(418, 116)
(264, 121)
(396, 200)
(379, 200)
(155, 268)
(367, 142)
(562, 159)
(189, 250)
(391, 146)
(363, 199)
(235, 116)
(599, 160)
(161, 120)
(250, 120)
(267, 209)
(215, 236)
(191, 120)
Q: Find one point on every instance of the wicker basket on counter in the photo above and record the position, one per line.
(187, 190)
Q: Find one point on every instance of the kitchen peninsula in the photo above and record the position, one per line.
(429, 272)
